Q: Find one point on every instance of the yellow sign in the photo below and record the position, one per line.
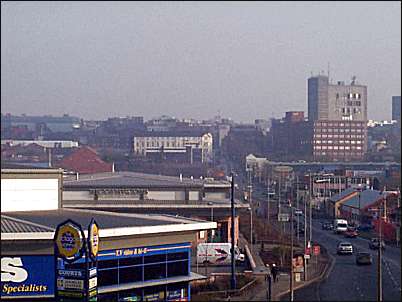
(94, 239)
(68, 240)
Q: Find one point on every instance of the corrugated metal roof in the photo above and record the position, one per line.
(367, 197)
(130, 180)
(13, 225)
(343, 194)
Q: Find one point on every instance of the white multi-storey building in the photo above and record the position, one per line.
(198, 147)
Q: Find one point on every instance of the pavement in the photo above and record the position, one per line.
(281, 287)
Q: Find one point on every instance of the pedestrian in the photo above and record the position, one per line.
(274, 271)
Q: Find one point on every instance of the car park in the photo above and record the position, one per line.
(344, 248)
(364, 258)
(375, 244)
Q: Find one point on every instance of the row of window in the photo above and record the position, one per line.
(339, 124)
(348, 110)
(338, 130)
(353, 142)
(337, 148)
(349, 96)
(338, 136)
(169, 292)
(140, 273)
(343, 154)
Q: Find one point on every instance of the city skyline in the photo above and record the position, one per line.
(99, 60)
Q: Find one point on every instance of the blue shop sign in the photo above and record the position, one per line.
(27, 276)
(143, 251)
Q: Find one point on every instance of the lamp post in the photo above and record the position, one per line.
(291, 251)
(232, 233)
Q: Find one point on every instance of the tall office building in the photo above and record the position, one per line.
(396, 108)
(339, 116)
(336, 102)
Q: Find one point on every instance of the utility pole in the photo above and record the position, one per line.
(379, 259)
(297, 206)
(268, 203)
(291, 252)
(233, 279)
(311, 196)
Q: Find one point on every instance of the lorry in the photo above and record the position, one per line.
(340, 226)
(217, 253)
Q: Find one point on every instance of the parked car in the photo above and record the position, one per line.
(344, 248)
(351, 233)
(327, 226)
(364, 258)
(364, 227)
(375, 244)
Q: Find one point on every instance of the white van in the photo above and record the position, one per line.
(217, 253)
(340, 226)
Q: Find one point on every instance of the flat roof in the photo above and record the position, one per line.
(128, 180)
(42, 224)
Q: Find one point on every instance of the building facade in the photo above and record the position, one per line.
(339, 114)
(396, 108)
(194, 147)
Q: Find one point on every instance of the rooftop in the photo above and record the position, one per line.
(42, 224)
(129, 180)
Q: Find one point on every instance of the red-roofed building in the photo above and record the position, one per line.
(85, 160)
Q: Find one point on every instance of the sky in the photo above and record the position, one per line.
(242, 60)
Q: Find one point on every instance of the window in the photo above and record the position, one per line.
(155, 258)
(130, 274)
(130, 261)
(179, 268)
(107, 277)
(155, 271)
(107, 264)
(358, 148)
(177, 256)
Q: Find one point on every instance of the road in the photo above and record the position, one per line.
(349, 282)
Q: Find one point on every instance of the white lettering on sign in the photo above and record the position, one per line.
(12, 270)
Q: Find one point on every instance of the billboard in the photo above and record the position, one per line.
(27, 276)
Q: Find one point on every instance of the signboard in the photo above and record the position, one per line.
(69, 239)
(316, 250)
(75, 284)
(27, 276)
(93, 239)
(283, 217)
(306, 256)
(298, 264)
(70, 248)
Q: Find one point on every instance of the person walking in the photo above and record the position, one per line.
(274, 271)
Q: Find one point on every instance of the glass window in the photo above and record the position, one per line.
(107, 277)
(179, 268)
(130, 274)
(130, 261)
(154, 293)
(155, 258)
(107, 263)
(155, 271)
(177, 256)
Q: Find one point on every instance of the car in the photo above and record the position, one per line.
(375, 244)
(344, 248)
(364, 258)
(351, 233)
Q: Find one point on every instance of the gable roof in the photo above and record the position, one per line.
(85, 160)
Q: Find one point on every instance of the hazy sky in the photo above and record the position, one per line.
(247, 60)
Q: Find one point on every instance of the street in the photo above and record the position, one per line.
(350, 282)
